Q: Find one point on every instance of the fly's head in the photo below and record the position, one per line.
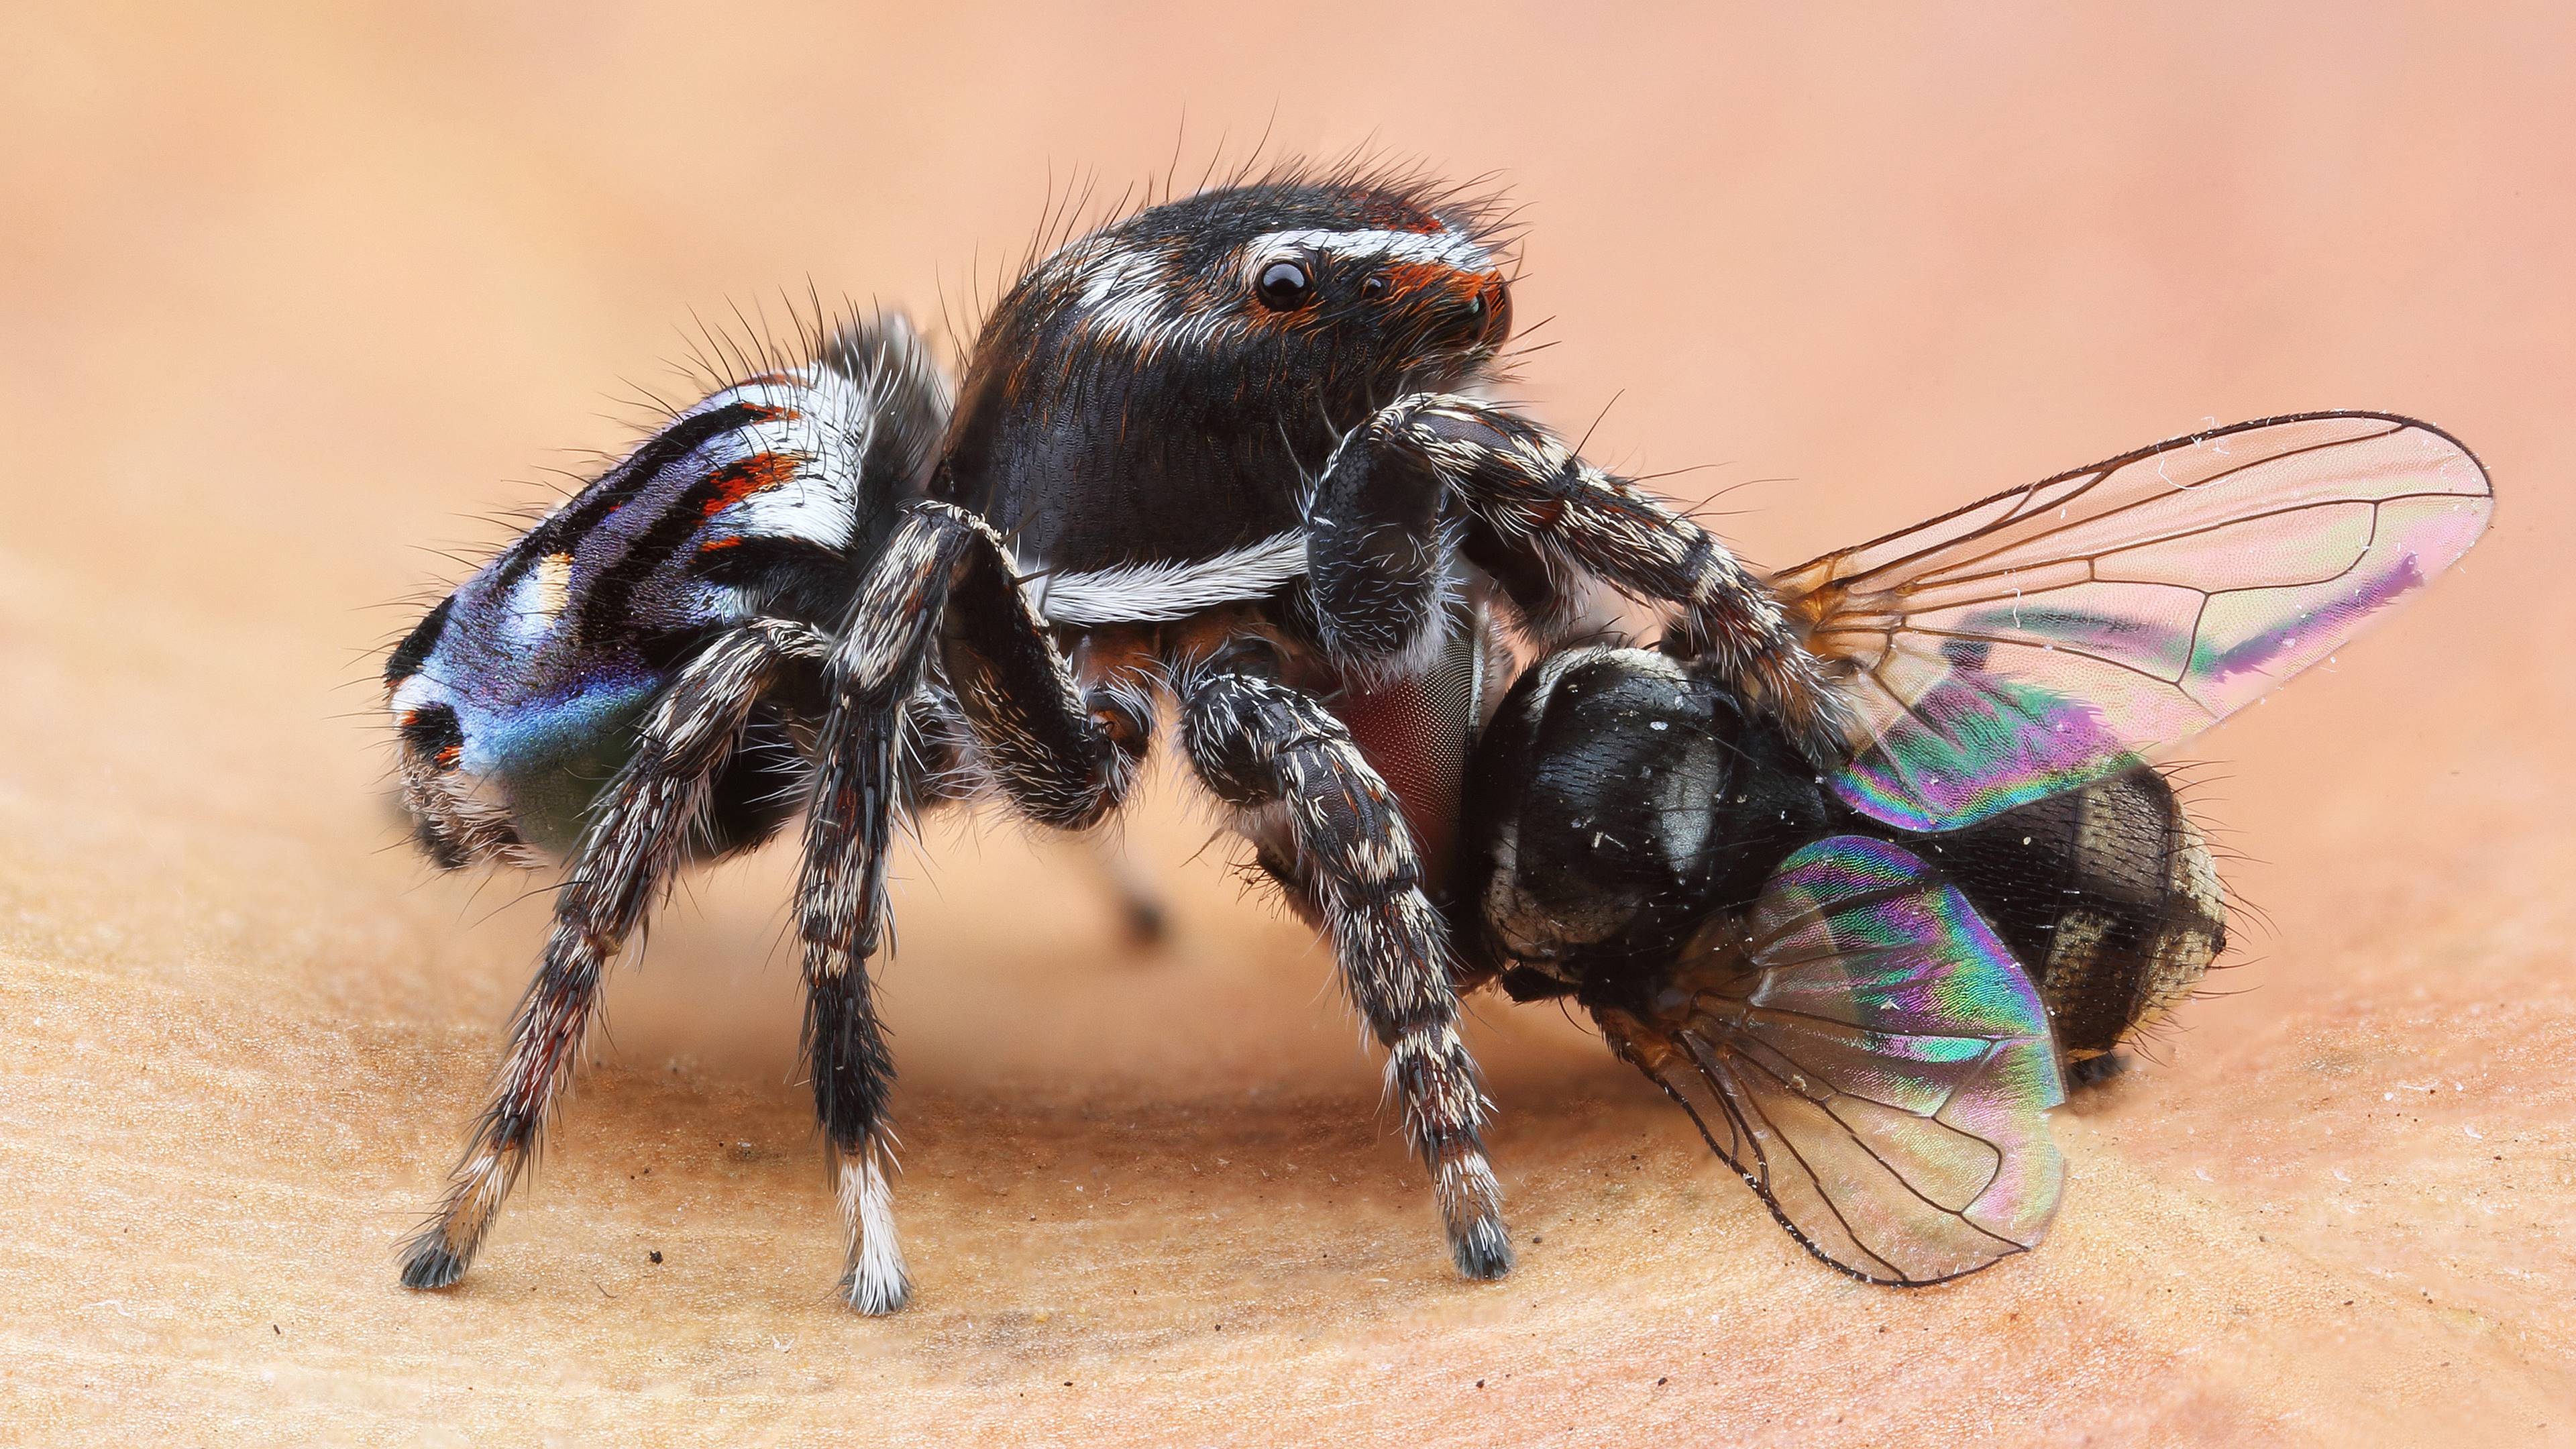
(1234, 320)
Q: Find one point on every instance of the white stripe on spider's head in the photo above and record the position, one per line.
(1441, 248)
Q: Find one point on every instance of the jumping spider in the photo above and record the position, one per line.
(1228, 455)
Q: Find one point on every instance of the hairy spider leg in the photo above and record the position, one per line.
(1537, 515)
(1263, 748)
(1063, 757)
(637, 834)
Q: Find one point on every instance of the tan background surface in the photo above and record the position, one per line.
(285, 296)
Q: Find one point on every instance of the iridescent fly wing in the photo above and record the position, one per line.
(1880, 1067)
(2049, 636)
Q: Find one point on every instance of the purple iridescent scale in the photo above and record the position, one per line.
(538, 664)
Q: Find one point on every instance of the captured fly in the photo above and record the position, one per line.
(1869, 984)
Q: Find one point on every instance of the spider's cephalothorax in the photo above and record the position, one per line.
(1168, 387)
(1227, 457)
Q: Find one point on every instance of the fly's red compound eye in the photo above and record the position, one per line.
(1285, 285)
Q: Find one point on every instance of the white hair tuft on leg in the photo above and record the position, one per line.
(876, 1282)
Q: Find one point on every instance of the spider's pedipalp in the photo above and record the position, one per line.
(1553, 515)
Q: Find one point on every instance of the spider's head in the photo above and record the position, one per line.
(1352, 294)
(1349, 292)
(1206, 332)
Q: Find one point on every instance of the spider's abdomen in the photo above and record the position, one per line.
(515, 699)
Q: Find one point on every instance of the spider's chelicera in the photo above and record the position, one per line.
(1228, 457)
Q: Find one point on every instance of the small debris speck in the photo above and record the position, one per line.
(1659, 1383)
(280, 1332)
(1480, 1383)
(655, 1255)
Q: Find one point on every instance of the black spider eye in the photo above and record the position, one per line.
(1285, 284)
(1374, 288)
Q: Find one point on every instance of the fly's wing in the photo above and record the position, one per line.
(1876, 1064)
(2050, 636)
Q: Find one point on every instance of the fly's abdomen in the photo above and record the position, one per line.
(2107, 895)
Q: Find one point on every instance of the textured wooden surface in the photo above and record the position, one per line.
(285, 296)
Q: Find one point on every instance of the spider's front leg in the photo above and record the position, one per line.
(1532, 511)
(1262, 747)
(1064, 756)
(636, 836)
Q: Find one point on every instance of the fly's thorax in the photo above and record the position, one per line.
(1164, 387)
(1617, 801)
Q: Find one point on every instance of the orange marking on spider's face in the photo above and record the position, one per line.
(1416, 278)
(448, 756)
(737, 481)
(714, 545)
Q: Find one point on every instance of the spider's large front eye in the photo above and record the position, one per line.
(1285, 284)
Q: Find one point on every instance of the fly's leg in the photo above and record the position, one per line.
(637, 833)
(1263, 747)
(1064, 757)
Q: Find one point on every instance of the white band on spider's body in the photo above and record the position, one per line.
(1154, 592)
